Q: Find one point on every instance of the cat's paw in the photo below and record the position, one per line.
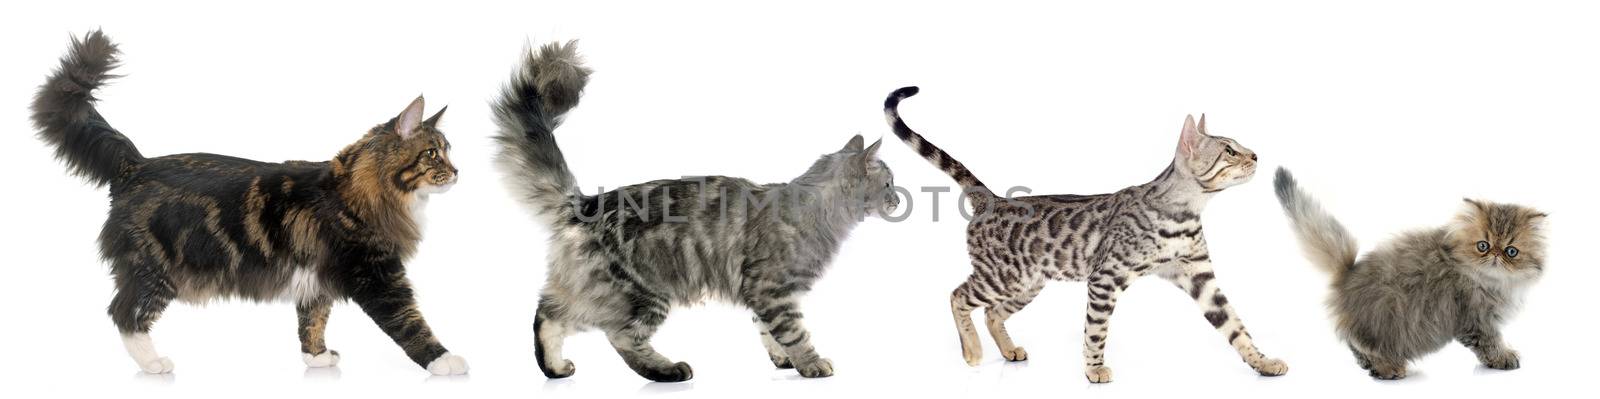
(973, 356)
(679, 372)
(1016, 354)
(1270, 367)
(817, 369)
(562, 369)
(157, 366)
(328, 358)
(1098, 374)
(1388, 372)
(1504, 360)
(781, 362)
(448, 364)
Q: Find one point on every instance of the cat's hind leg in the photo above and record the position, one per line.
(996, 316)
(550, 330)
(143, 292)
(313, 324)
(632, 341)
(965, 298)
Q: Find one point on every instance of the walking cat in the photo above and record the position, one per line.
(200, 227)
(1418, 291)
(622, 259)
(1108, 240)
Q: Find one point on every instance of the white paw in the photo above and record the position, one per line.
(448, 364)
(326, 359)
(1098, 374)
(158, 366)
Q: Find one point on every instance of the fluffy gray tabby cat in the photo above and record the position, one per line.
(620, 260)
(1415, 293)
(1020, 243)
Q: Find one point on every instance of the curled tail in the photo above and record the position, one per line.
(64, 113)
(544, 88)
(974, 188)
(1322, 238)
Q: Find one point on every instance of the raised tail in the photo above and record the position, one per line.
(969, 183)
(64, 113)
(1324, 240)
(546, 86)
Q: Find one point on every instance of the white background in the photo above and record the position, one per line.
(1390, 113)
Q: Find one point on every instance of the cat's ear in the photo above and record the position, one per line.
(1189, 140)
(871, 152)
(1202, 126)
(407, 122)
(854, 144)
(434, 120)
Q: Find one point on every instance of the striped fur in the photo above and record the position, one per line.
(621, 260)
(203, 227)
(1107, 240)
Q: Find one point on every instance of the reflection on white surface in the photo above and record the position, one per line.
(155, 379)
(322, 374)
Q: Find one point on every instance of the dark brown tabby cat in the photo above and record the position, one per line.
(198, 227)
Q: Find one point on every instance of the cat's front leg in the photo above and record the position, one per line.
(313, 323)
(383, 292)
(775, 352)
(1103, 290)
(1197, 279)
(1490, 348)
(781, 318)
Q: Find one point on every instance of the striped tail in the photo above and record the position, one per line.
(975, 190)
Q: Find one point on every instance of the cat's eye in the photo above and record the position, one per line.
(1511, 252)
(430, 153)
(1483, 246)
(1232, 153)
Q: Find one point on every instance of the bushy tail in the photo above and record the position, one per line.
(544, 88)
(64, 113)
(974, 188)
(1324, 240)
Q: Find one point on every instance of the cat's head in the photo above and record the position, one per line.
(1504, 241)
(856, 172)
(406, 156)
(1215, 162)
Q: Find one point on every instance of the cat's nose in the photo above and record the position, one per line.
(1252, 156)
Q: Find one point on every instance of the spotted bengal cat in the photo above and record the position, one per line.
(1018, 244)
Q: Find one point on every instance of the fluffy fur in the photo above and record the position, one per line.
(620, 260)
(199, 227)
(1108, 240)
(1415, 293)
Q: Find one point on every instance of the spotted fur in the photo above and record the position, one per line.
(622, 259)
(1424, 288)
(202, 227)
(1108, 240)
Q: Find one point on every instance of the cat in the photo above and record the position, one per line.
(1416, 292)
(620, 260)
(201, 227)
(1018, 244)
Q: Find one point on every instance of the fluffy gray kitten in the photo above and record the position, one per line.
(1415, 293)
(620, 260)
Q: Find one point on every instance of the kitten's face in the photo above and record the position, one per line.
(407, 155)
(1215, 162)
(1504, 241)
